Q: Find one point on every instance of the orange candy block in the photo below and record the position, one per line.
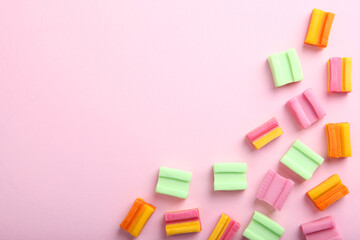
(137, 217)
(319, 28)
(327, 192)
(338, 139)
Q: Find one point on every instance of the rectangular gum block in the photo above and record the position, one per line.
(265, 133)
(319, 28)
(185, 221)
(262, 227)
(173, 182)
(321, 229)
(274, 189)
(327, 192)
(225, 229)
(338, 140)
(302, 160)
(230, 176)
(339, 74)
(137, 217)
(285, 67)
(305, 108)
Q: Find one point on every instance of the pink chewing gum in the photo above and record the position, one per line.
(230, 230)
(182, 216)
(335, 74)
(274, 189)
(321, 229)
(305, 108)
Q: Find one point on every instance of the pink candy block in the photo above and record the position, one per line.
(274, 189)
(305, 108)
(182, 216)
(335, 74)
(321, 229)
(231, 230)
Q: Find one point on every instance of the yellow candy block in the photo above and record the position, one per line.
(268, 138)
(328, 192)
(220, 227)
(319, 28)
(346, 74)
(185, 227)
(141, 220)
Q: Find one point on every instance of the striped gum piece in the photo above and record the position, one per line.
(327, 192)
(185, 221)
(319, 28)
(265, 133)
(137, 217)
(338, 140)
(225, 228)
(339, 74)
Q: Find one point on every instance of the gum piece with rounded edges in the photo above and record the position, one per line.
(265, 133)
(173, 182)
(339, 74)
(137, 217)
(338, 140)
(230, 176)
(321, 229)
(274, 189)
(327, 192)
(285, 67)
(225, 228)
(305, 108)
(262, 227)
(319, 28)
(185, 221)
(302, 160)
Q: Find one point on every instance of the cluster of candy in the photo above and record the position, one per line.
(300, 159)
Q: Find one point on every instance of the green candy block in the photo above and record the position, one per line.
(263, 228)
(230, 176)
(302, 160)
(173, 182)
(285, 67)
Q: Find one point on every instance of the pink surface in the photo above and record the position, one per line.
(305, 108)
(95, 96)
(274, 189)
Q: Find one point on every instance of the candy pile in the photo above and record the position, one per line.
(301, 159)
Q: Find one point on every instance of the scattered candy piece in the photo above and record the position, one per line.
(285, 67)
(185, 221)
(173, 182)
(230, 176)
(338, 139)
(328, 192)
(319, 28)
(225, 229)
(302, 160)
(274, 189)
(265, 133)
(321, 229)
(262, 227)
(139, 214)
(305, 108)
(339, 77)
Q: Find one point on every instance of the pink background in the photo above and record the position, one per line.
(95, 96)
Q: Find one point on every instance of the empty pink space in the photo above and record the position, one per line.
(96, 96)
